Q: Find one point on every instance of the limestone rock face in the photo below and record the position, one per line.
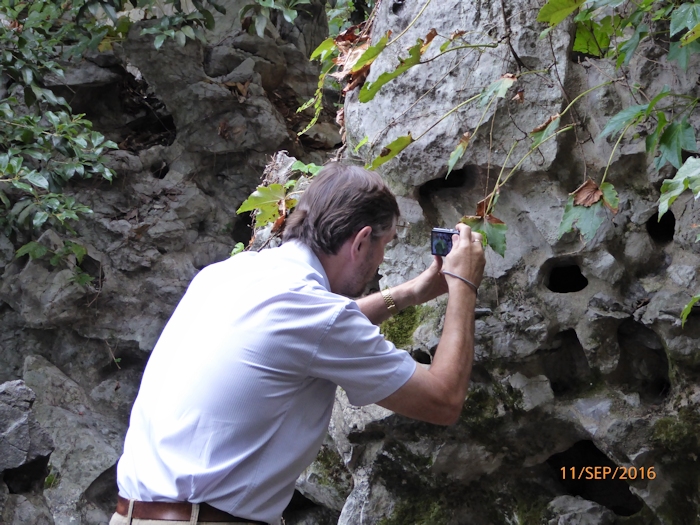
(196, 126)
(25, 448)
(581, 360)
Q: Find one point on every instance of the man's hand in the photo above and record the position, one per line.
(466, 258)
(429, 284)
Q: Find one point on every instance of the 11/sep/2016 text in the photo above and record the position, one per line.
(601, 472)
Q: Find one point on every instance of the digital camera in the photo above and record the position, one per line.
(441, 241)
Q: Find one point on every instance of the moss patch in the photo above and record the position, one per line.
(416, 511)
(399, 329)
(680, 433)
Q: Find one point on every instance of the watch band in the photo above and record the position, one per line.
(389, 301)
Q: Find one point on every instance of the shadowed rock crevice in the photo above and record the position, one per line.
(563, 276)
(662, 231)
(643, 365)
(583, 457)
(28, 477)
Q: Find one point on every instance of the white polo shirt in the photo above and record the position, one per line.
(237, 394)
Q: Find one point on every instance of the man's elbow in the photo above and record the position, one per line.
(448, 414)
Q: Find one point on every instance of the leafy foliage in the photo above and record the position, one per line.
(259, 12)
(687, 177)
(493, 231)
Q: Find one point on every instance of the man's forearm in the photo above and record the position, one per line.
(375, 308)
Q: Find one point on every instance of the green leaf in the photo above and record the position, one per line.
(40, 218)
(371, 53)
(586, 219)
(158, 42)
(266, 200)
(677, 136)
(626, 49)
(621, 120)
(33, 249)
(652, 140)
(390, 151)
(189, 32)
(238, 248)
(324, 49)
(4, 199)
(610, 197)
(209, 22)
(78, 250)
(686, 310)
(691, 36)
(370, 89)
(540, 136)
(361, 143)
(592, 38)
(458, 152)
(687, 177)
(493, 233)
(260, 25)
(681, 54)
(288, 14)
(686, 16)
(181, 38)
(499, 88)
(555, 11)
(37, 179)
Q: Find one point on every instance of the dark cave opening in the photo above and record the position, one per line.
(159, 169)
(643, 364)
(661, 231)
(566, 366)
(28, 477)
(456, 179)
(566, 278)
(576, 470)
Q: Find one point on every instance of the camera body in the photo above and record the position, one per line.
(441, 240)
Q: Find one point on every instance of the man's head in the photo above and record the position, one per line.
(347, 216)
(341, 200)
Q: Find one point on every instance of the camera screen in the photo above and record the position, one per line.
(441, 242)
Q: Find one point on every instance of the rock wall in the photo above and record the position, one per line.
(192, 148)
(580, 359)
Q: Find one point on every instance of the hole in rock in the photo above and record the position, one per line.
(302, 510)
(565, 277)
(566, 365)
(422, 357)
(397, 6)
(643, 365)
(456, 179)
(159, 169)
(661, 231)
(28, 477)
(97, 502)
(584, 457)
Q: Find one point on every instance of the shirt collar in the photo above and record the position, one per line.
(302, 252)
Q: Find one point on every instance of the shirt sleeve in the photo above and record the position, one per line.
(354, 355)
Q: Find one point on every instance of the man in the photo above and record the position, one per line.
(238, 392)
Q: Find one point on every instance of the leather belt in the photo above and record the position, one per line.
(181, 511)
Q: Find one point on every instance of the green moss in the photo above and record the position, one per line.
(679, 433)
(416, 511)
(330, 467)
(681, 505)
(399, 329)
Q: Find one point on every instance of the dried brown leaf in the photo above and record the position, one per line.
(546, 123)
(519, 96)
(457, 34)
(509, 76)
(587, 194)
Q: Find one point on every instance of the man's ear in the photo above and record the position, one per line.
(361, 240)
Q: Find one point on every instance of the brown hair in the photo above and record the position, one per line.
(340, 201)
